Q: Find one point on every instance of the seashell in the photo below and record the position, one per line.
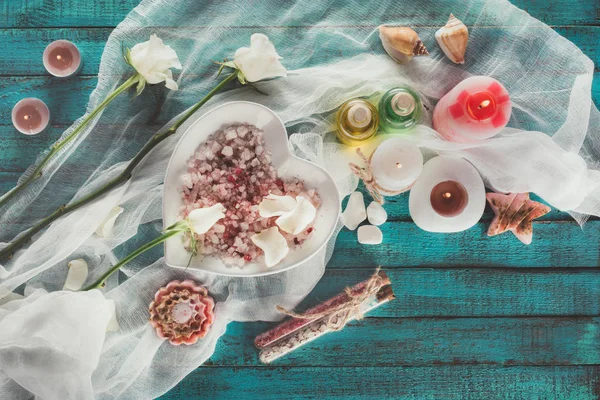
(453, 39)
(514, 212)
(401, 43)
(182, 312)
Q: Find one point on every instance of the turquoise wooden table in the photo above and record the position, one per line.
(475, 317)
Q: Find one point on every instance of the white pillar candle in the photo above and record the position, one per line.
(396, 164)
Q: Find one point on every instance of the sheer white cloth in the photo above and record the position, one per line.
(550, 148)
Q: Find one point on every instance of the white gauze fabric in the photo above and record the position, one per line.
(550, 148)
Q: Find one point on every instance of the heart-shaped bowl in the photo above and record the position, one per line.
(287, 166)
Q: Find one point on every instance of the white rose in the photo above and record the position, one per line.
(153, 60)
(260, 60)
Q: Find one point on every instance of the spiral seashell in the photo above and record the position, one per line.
(401, 43)
(453, 39)
(182, 312)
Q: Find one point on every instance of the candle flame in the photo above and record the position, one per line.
(59, 57)
(447, 195)
(398, 165)
(26, 117)
(484, 104)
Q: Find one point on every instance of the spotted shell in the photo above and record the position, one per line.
(182, 312)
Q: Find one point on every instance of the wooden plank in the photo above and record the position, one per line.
(68, 13)
(474, 292)
(430, 341)
(555, 244)
(391, 382)
(22, 46)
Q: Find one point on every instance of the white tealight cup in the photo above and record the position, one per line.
(396, 164)
(30, 116)
(62, 58)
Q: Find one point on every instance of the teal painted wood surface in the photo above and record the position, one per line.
(475, 317)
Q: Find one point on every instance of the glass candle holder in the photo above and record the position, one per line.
(399, 110)
(477, 108)
(357, 121)
(30, 116)
(62, 58)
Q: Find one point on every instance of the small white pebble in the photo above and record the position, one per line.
(355, 211)
(227, 151)
(376, 214)
(369, 234)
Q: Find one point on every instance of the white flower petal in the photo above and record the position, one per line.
(299, 218)
(106, 227)
(202, 219)
(78, 272)
(274, 206)
(113, 325)
(273, 244)
(154, 60)
(260, 60)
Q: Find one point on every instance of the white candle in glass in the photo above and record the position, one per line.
(62, 58)
(396, 164)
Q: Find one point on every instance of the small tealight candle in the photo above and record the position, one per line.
(396, 164)
(30, 116)
(477, 108)
(62, 58)
(449, 198)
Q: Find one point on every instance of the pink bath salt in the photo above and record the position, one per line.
(233, 167)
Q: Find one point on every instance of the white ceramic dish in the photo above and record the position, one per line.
(287, 166)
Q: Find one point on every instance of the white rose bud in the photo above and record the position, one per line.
(260, 60)
(153, 60)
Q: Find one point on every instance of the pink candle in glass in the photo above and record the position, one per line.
(477, 108)
(62, 58)
(30, 116)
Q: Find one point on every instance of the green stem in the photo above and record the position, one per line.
(124, 176)
(169, 232)
(37, 172)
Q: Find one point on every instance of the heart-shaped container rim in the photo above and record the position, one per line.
(287, 166)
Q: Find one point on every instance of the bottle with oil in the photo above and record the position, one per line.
(357, 121)
(399, 110)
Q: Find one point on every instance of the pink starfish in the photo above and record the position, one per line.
(514, 212)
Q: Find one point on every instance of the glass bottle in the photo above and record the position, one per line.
(399, 110)
(357, 121)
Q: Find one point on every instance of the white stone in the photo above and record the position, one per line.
(369, 234)
(376, 213)
(355, 211)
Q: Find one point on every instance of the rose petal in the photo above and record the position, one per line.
(274, 206)
(113, 325)
(106, 227)
(202, 219)
(299, 218)
(273, 244)
(78, 272)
